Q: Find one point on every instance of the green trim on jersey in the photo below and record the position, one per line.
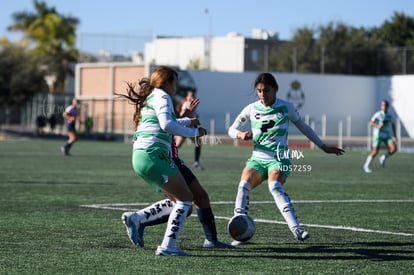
(161, 136)
(149, 127)
(386, 120)
(153, 119)
(274, 128)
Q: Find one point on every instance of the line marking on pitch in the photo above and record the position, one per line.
(338, 227)
(127, 206)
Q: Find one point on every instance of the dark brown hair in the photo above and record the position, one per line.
(267, 79)
(159, 77)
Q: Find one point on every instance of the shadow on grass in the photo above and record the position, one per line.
(374, 251)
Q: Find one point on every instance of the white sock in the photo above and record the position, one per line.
(284, 204)
(368, 161)
(156, 211)
(175, 223)
(242, 198)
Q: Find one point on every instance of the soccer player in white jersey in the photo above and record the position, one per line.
(159, 212)
(184, 112)
(70, 114)
(384, 131)
(268, 119)
(156, 123)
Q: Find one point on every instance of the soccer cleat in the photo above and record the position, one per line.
(366, 169)
(300, 234)
(237, 243)
(161, 251)
(197, 165)
(382, 161)
(135, 230)
(216, 244)
(64, 150)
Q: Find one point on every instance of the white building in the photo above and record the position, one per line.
(231, 53)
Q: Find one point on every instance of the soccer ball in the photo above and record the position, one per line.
(241, 227)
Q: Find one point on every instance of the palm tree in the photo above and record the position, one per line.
(54, 38)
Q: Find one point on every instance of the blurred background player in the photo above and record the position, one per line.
(187, 111)
(70, 114)
(384, 131)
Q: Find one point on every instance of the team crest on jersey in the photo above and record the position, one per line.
(242, 119)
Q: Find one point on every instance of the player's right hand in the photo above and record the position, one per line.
(193, 104)
(245, 135)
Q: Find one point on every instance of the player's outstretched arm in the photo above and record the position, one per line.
(312, 136)
(332, 150)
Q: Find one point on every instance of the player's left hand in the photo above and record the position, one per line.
(193, 104)
(332, 150)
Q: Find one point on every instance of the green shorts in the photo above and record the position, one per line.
(154, 165)
(265, 166)
(376, 141)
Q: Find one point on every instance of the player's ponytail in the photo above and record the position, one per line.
(138, 97)
(159, 77)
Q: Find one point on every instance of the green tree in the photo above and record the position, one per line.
(334, 48)
(348, 50)
(397, 56)
(54, 38)
(399, 32)
(20, 77)
(297, 55)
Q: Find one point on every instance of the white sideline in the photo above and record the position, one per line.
(118, 206)
(339, 227)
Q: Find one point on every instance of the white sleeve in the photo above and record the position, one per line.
(68, 109)
(305, 129)
(186, 121)
(163, 108)
(308, 132)
(293, 113)
(374, 117)
(240, 122)
(174, 127)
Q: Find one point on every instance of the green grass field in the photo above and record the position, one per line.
(359, 223)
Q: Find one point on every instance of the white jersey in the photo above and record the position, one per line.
(158, 122)
(269, 126)
(73, 113)
(385, 119)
